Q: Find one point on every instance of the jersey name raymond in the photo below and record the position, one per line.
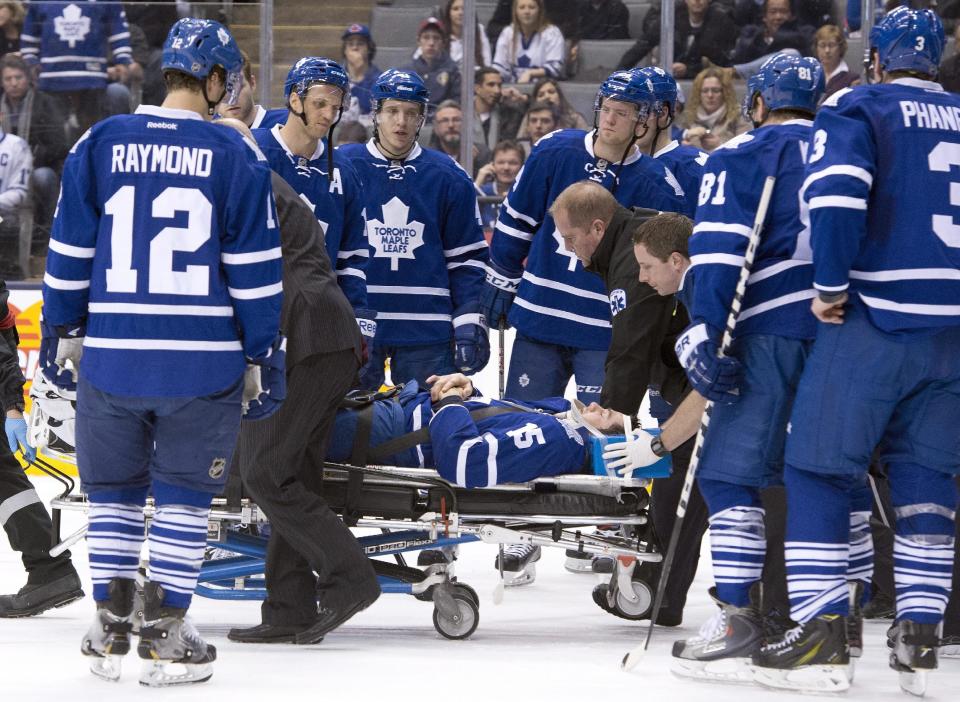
(618, 301)
(395, 237)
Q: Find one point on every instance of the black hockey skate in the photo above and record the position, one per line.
(108, 639)
(721, 651)
(855, 621)
(519, 564)
(914, 653)
(880, 607)
(811, 657)
(172, 650)
(950, 646)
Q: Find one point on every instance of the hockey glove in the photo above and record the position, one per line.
(60, 351)
(498, 293)
(715, 377)
(627, 456)
(367, 321)
(17, 434)
(471, 347)
(265, 381)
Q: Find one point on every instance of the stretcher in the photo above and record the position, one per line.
(403, 510)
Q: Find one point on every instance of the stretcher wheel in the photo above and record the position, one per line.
(469, 591)
(469, 616)
(640, 608)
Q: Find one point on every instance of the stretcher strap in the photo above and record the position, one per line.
(361, 445)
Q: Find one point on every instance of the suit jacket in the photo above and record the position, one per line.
(791, 35)
(316, 316)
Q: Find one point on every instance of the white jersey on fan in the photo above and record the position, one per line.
(16, 165)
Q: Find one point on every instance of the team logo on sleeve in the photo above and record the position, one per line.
(395, 237)
(618, 301)
(71, 26)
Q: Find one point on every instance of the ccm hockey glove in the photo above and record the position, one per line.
(471, 346)
(60, 350)
(715, 377)
(265, 381)
(498, 293)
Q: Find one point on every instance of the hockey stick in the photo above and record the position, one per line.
(503, 334)
(633, 657)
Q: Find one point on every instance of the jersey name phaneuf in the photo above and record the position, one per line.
(779, 289)
(337, 204)
(427, 251)
(165, 243)
(558, 302)
(882, 186)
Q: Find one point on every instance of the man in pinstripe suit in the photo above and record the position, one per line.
(281, 457)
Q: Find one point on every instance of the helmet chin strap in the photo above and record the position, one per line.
(389, 153)
(212, 104)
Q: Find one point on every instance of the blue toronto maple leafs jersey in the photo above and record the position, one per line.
(265, 119)
(72, 40)
(686, 163)
(165, 241)
(779, 289)
(338, 206)
(427, 251)
(883, 187)
(558, 302)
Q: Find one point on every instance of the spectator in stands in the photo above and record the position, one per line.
(351, 133)
(949, 75)
(447, 135)
(497, 112)
(702, 29)
(778, 32)
(152, 21)
(563, 13)
(16, 167)
(358, 51)
(603, 19)
(541, 119)
(712, 115)
(11, 23)
(497, 177)
(831, 46)
(434, 64)
(35, 118)
(452, 17)
(530, 47)
(67, 42)
(547, 90)
(815, 13)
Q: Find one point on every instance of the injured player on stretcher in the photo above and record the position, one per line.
(471, 440)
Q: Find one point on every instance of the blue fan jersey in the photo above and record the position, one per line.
(558, 302)
(72, 40)
(884, 190)
(338, 206)
(779, 289)
(165, 241)
(686, 163)
(427, 251)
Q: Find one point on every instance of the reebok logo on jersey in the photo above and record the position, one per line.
(161, 125)
(394, 237)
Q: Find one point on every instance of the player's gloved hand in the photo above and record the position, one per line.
(60, 350)
(627, 456)
(265, 381)
(367, 321)
(497, 296)
(715, 377)
(16, 428)
(471, 347)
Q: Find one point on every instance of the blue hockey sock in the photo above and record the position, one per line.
(114, 537)
(177, 540)
(860, 567)
(738, 544)
(925, 503)
(818, 542)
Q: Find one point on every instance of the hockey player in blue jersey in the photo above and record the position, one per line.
(246, 108)
(164, 270)
(561, 312)
(753, 387)
(427, 249)
(884, 370)
(299, 150)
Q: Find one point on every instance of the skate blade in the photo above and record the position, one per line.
(524, 577)
(724, 670)
(914, 683)
(578, 565)
(952, 651)
(811, 678)
(170, 673)
(107, 667)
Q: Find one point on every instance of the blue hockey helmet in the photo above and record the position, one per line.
(628, 86)
(787, 82)
(394, 84)
(311, 70)
(909, 40)
(195, 46)
(664, 88)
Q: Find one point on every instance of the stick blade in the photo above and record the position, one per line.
(632, 658)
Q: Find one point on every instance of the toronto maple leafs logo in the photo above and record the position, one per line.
(72, 26)
(223, 36)
(394, 237)
(313, 208)
(572, 259)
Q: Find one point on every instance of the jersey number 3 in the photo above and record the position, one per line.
(943, 156)
(122, 277)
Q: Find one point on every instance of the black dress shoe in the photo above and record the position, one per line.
(329, 618)
(270, 633)
(35, 598)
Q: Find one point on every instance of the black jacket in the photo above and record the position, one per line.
(791, 35)
(640, 315)
(714, 39)
(316, 316)
(11, 377)
(609, 21)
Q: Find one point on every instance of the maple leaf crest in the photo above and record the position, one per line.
(72, 26)
(394, 237)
